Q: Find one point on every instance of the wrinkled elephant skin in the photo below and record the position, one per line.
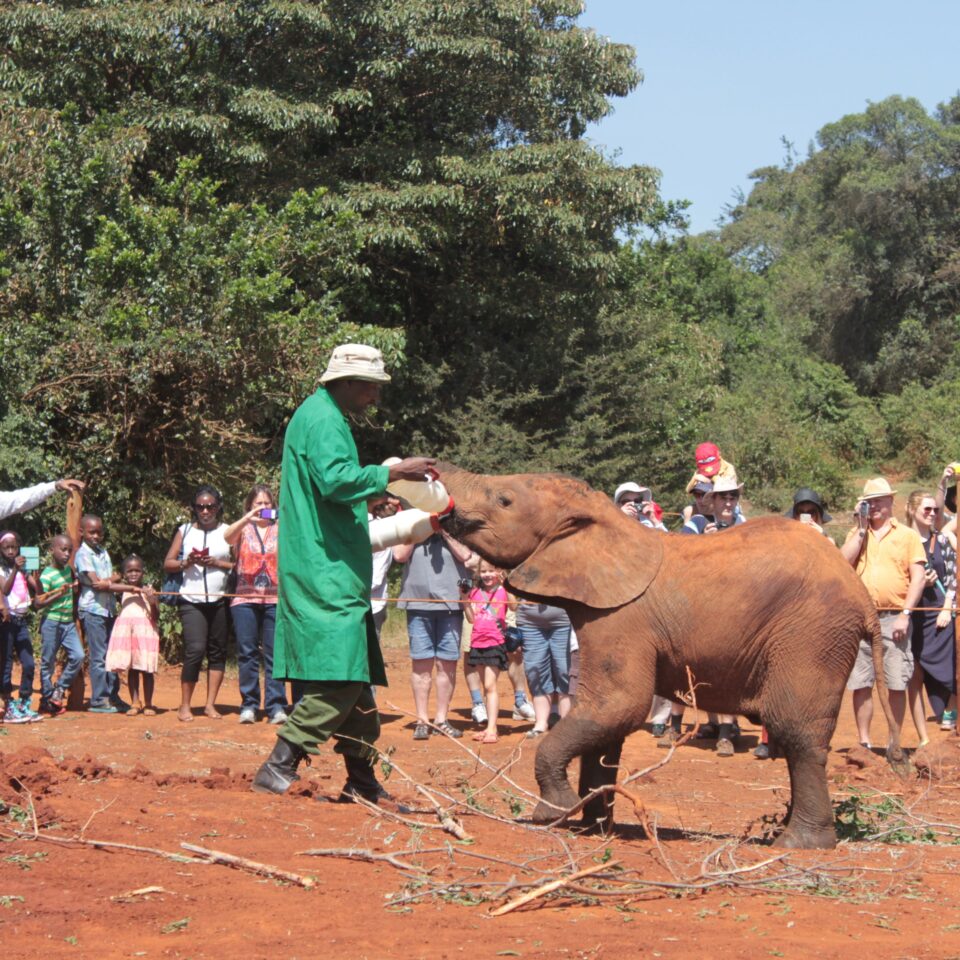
(767, 615)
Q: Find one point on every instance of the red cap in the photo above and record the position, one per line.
(708, 459)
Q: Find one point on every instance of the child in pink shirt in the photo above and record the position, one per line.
(487, 611)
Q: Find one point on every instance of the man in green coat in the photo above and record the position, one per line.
(325, 637)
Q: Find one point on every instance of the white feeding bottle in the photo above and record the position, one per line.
(407, 526)
(429, 494)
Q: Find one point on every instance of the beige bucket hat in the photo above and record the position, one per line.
(726, 484)
(356, 361)
(877, 487)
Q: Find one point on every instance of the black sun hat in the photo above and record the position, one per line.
(806, 495)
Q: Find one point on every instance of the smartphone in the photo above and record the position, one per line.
(32, 557)
(270, 514)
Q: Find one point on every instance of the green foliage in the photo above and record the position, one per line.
(860, 242)
(878, 817)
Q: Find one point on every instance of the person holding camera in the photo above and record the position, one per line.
(889, 558)
(486, 610)
(637, 502)
(254, 538)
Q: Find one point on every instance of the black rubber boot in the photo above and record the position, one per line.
(280, 769)
(362, 782)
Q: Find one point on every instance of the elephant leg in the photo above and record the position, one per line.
(809, 822)
(598, 768)
(574, 736)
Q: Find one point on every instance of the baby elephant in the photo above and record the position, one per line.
(768, 617)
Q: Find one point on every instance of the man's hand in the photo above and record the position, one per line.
(630, 509)
(900, 627)
(413, 468)
(70, 485)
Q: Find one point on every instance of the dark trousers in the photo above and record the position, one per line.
(204, 635)
(15, 644)
(253, 624)
(344, 710)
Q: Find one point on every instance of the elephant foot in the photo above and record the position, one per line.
(795, 837)
(551, 808)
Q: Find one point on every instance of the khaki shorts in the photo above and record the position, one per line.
(897, 659)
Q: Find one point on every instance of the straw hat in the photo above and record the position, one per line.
(356, 361)
(726, 484)
(875, 488)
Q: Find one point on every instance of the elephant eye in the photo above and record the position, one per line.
(503, 500)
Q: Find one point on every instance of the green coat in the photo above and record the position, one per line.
(324, 631)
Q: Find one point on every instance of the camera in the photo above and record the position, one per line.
(466, 584)
(864, 508)
(268, 514)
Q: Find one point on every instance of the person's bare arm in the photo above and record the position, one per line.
(172, 562)
(917, 583)
(403, 552)
(853, 545)
(461, 552)
(233, 532)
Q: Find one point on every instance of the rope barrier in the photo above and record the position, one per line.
(462, 600)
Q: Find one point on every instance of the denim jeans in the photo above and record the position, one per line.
(546, 659)
(253, 624)
(15, 642)
(434, 634)
(53, 636)
(104, 686)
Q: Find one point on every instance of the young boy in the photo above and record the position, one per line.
(57, 630)
(97, 614)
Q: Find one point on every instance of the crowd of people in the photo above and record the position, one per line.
(306, 599)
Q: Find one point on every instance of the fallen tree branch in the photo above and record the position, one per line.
(251, 866)
(549, 888)
(352, 853)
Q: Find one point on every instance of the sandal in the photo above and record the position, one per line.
(534, 733)
(134, 711)
(149, 712)
(447, 729)
(485, 737)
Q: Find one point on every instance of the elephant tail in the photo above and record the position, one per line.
(895, 755)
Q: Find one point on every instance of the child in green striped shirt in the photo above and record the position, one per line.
(58, 586)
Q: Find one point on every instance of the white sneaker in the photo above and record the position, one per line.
(479, 712)
(279, 717)
(524, 711)
(248, 715)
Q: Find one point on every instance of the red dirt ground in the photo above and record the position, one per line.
(157, 783)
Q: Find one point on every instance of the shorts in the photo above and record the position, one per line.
(434, 634)
(897, 659)
(488, 657)
(546, 658)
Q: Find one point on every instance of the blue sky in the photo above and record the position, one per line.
(725, 80)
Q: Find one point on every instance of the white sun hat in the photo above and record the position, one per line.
(355, 361)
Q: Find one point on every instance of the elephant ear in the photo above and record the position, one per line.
(599, 562)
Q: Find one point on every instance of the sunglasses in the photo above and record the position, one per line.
(202, 507)
(928, 509)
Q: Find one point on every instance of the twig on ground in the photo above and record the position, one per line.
(549, 888)
(251, 866)
(99, 810)
(353, 853)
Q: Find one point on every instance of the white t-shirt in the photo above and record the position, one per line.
(382, 561)
(204, 584)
